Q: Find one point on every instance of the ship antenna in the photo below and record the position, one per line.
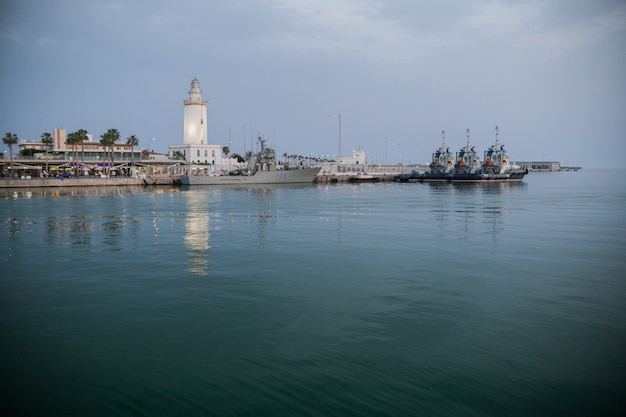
(443, 138)
(497, 133)
(468, 135)
(339, 141)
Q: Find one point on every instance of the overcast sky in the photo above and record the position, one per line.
(551, 74)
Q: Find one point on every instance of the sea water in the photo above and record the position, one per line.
(385, 299)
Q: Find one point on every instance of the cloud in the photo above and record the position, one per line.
(588, 31)
(497, 18)
(552, 26)
(9, 34)
(347, 28)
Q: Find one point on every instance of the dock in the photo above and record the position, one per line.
(89, 181)
(380, 173)
(325, 178)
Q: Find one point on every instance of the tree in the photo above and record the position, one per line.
(132, 141)
(46, 139)
(72, 140)
(10, 139)
(238, 157)
(105, 144)
(108, 140)
(81, 137)
(178, 155)
(226, 151)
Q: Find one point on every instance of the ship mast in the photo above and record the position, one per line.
(339, 139)
(497, 133)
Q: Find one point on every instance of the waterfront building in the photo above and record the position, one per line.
(87, 158)
(89, 151)
(358, 158)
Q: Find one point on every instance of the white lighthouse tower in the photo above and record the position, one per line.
(195, 148)
(195, 122)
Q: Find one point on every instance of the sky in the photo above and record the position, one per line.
(551, 74)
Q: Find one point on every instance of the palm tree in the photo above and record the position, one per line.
(115, 136)
(10, 139)
(108, 140)
(132, 141)
(46, 139)
(104, 141)
(72, 140)
(226, 151)
(81, 137)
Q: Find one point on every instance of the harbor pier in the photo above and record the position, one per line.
(88, 181)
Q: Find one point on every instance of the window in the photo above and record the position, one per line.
(198, 153)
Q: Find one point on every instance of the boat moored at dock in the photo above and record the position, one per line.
(496, 167)
(261, 169)
(467, 167)
(263, 175)
(441, 166)
(364, 177)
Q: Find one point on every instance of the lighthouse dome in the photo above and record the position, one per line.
(195, 86)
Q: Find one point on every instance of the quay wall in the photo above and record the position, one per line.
(323, 178)
(87, 182)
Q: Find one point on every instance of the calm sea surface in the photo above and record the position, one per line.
(342, 300)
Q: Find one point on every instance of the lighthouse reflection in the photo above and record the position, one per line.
(197, 233)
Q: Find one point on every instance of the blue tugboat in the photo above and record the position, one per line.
(467, 166)
(441, 167)
(495, 168)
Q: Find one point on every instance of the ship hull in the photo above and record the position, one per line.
(285, 176)
(436, 177)
(514, 176)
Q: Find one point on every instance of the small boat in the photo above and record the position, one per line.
(364, 177)
(441, 164)
(496, 167)
(261, 169)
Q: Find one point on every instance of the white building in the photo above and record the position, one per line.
(195, 148)
(358, 158)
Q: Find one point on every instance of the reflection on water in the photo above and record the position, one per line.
(54, 192)
(78, 218)
(264, 213)
(197, 232)
(465, 209)
(250, 207)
